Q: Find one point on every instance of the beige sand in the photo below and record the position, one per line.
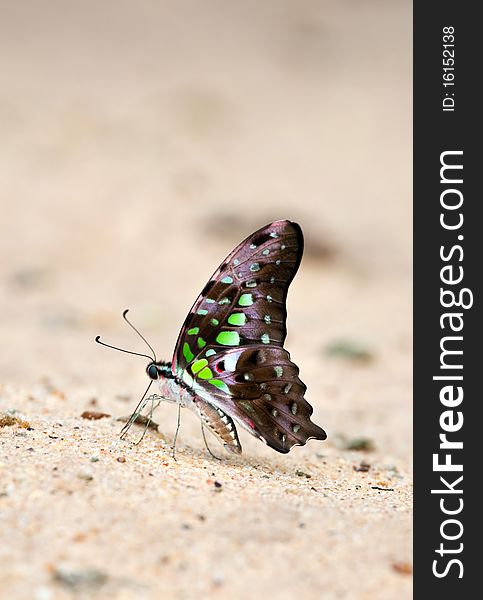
(141, 142)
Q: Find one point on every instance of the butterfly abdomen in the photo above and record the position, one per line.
(219, 423)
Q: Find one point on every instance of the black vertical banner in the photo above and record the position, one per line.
(448, 250)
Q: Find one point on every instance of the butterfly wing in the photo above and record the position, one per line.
(243, 303)
(230, 349)
(260, 388)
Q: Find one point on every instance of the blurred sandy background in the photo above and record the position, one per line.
(140, 142)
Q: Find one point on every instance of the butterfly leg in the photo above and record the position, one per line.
(138, 410)
(176, 432)
(153, 399)
(206, 443)
(133, 418)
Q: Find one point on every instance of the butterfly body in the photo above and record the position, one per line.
(229, 365)
(174, 390)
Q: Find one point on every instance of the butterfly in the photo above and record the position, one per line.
(229, 365)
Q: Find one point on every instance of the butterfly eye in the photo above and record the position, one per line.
(152, 371)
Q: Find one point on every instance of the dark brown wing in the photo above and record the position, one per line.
(259, 387)
(243, 303)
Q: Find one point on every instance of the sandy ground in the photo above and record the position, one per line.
(141, 142)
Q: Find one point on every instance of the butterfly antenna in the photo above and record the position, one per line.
(98, 340)
(139, 333)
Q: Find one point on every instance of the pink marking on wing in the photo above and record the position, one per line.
(251, 423)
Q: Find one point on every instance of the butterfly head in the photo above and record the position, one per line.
(159, 370)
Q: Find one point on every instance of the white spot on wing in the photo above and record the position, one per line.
(187, 378)
(231, 361)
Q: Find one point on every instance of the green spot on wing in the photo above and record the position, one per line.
(237, 319)
(227, 279)
(201, 343)
(228, 338)
(202, 311)
(193, 331)
(214, 322)
(198, 365)
(221, 385)
(187, 352)
(205, 373)
(210, 352)
(245, 300)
